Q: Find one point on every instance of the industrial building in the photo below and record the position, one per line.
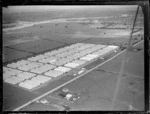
(35, 71)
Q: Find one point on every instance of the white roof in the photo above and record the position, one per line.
(92, 55)
(32, 59)
(86, 58)
(68, 96)
(22, 62)
(82, 48)
(17, 78)
(52, 61)
(38, 57)
(62, 54)
(67, 55)
(11, 72)
(32, 82)
(12, 65)
(47, 67)
(112, 46)
(48, 59)
(11, 81)
(26, 75)
(52, 53)
(28, 84)
(69, 58)
(41, 79)
(37, 70)
(72, 65)
(43, 60)
(62, 50)
(89, 58)
(80, 62)
(35, 64)
(76, 45)
(59, 62)
(105, 50)
(54, 73)
(81, 71)
(24, 68)
(63, 69)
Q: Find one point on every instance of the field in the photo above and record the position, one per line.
(43, 37)
(97, 87)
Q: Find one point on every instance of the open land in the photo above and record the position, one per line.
(54, 34)
(96, 87)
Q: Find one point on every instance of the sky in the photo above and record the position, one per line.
(67, 7)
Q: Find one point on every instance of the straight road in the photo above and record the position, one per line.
(72, 80)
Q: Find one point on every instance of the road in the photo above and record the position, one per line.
(72, 80)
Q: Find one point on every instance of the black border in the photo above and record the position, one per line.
(145, 7)
(6, 3)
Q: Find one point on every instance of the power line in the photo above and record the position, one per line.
(123, 65)
(130, 40)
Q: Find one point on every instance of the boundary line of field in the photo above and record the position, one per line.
(17, 109)
(125, 75)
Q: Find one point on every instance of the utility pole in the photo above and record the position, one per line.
(131, 33)
(122, 66)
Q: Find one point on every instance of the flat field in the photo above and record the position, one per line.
(97, 87)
